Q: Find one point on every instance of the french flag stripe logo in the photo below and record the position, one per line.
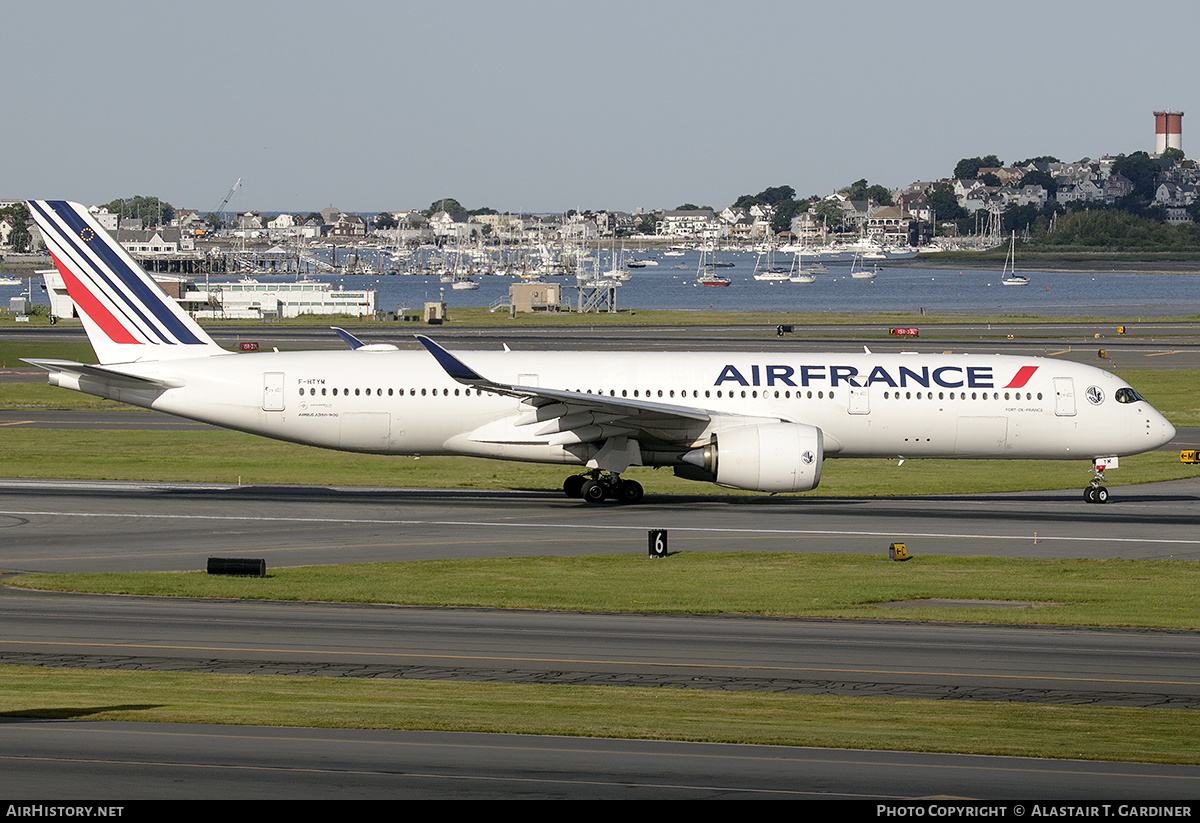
(106, 283)
(89, 293)
(93, 308)
(1021, 377)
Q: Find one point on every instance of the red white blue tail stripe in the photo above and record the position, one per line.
(126, 315)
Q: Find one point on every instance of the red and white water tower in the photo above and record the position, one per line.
(1168, 131)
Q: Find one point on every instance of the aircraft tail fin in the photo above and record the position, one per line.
(128, 318)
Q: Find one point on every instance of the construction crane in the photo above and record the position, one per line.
(217, 211)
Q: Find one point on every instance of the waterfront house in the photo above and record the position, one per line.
(691, 223)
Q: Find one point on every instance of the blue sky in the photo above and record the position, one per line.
(548, 106)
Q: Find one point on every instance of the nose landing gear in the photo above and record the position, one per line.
(601, 486)
(1096, 492)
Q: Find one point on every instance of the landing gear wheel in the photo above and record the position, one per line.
(593, 492)
(1096, 491)
(629, 491)
(573, 486)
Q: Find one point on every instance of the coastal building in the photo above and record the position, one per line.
(149, 242)
(349, 225)
(1032, 195)
(691, 223)
(809, 228)
(893, 226)
(455, 226)
(106, 219)
(252, 300)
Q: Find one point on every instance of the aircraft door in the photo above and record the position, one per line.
(860, 402)
(1064, 396)
(272, 391)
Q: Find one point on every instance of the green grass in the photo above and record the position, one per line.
(43, 396)
(11, 352)
(1028, 730)
(469, 317)
(1140, 593)
(233, 457)
(1174, 392)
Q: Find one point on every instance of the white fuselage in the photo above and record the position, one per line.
(866, 405)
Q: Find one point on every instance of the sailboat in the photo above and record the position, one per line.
(858, 272)
(706, 274)
(1010, 277)
(799, 274)
(768, 271)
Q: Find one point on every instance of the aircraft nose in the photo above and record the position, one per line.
(1168, 432)
(1159, 428)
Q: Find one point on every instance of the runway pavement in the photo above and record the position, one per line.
(88, 526)
(130, 761)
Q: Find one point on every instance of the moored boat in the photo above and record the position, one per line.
(1009, 276)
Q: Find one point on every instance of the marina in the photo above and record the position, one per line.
(675, 285)
(907, 288)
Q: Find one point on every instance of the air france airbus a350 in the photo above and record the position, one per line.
(763, 422)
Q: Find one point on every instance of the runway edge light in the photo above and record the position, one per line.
(897, 552)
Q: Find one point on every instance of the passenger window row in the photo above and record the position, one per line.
(312, 392)
(960, 395)
(670, 393)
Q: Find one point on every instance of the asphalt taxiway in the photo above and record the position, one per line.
(129, 761)
(60, 526)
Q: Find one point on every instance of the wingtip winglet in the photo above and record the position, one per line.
(347, 338)
(454, 367)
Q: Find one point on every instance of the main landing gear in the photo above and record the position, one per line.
(601, 486)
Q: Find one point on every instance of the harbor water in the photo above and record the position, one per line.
(907, 288)
(904, 288)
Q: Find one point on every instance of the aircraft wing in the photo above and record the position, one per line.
(622, 426)
(538, 396)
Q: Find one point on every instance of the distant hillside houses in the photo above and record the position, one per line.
(1166, 187)
(1081, 182)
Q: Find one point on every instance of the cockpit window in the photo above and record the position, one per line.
(1128, 395)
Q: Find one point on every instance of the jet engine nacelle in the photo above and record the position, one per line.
(773, 457)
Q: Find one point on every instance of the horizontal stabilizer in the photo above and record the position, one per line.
(106, 375)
